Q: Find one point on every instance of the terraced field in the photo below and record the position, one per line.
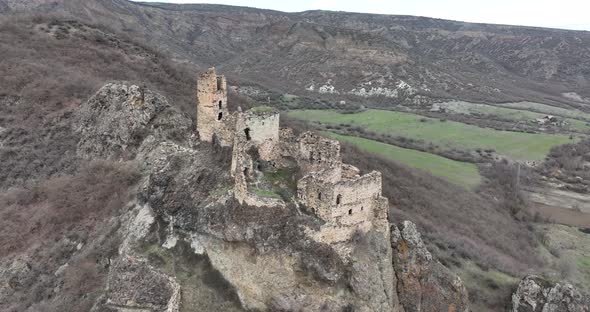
(522, 111)
(460, 173)
(449, 134)
(548, 109)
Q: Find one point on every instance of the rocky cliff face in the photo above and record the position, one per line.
(537, 294)
(423, 284)
(262, 255)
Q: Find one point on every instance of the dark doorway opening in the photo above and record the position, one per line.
(247, 132)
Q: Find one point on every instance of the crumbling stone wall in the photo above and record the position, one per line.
(319, 154)
(345, 202)
(335, 192)
(213, 117)
(261, 130)
(256, 141)
(357, 198)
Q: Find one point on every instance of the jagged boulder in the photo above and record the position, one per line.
(535, 294)
(119, 118)
(423, 284)
(17, 275)
(135, 285)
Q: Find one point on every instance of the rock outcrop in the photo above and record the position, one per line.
(535, 294)
(264, 253)
(423, 284)
(134, 285)
(115, 122)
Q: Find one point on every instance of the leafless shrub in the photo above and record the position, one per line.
(46, 209)
(61, 213)
(566, 268)
(505, 180)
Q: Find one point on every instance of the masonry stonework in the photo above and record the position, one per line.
(336, 193)
(212, 111)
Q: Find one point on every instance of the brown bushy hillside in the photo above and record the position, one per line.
(292, 51)
(49, 66)
(57, 210)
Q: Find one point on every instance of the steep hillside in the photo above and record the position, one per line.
(52, 64)
(395, 58)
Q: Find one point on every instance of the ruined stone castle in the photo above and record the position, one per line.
(334, 192)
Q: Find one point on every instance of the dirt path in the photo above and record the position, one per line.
(563, 215)
(563, 207)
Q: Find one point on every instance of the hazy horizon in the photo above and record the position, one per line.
(566, 14)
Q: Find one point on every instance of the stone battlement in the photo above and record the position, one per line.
(334, 192)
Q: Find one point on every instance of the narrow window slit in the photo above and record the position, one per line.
(219, 83)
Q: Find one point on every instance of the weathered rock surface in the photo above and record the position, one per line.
(423, 284)
(116, 121)
(535, 294)
(14, 276)
(134, 285)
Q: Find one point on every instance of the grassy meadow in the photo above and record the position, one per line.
(460, 173)
(449, 134)
(522, 111)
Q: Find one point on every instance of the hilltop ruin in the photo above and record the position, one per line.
(334, 192)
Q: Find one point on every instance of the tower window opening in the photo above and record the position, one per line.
(219, 83)
(219, 116)
(362, 208)
(246, 172)
(220, 104)
(350, 212)
(320, 195)
(247, 132)
(338, 199)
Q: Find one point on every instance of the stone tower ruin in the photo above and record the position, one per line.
(337, 193)
(212, 112)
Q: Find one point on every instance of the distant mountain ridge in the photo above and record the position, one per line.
(395, 58)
